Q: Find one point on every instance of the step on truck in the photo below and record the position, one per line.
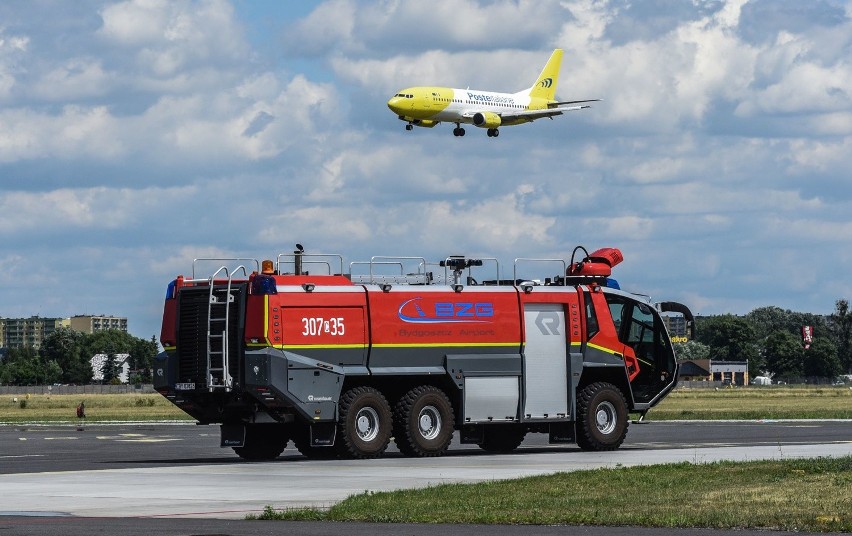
(402, 349)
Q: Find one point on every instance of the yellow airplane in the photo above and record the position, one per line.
(429, 106)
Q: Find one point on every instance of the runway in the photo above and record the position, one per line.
(164, 471)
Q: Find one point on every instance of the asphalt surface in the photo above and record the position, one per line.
(174, 479)
(49, 448)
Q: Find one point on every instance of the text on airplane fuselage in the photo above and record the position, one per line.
(493, 99)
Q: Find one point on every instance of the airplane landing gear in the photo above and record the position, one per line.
(493, 132)
(409, 126)
(458, 131)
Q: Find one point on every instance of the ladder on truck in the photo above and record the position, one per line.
(218, 324)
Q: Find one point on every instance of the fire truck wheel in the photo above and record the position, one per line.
(364, 424)
(502, 438)
(601, 417)
(263, 442)
(423, 422)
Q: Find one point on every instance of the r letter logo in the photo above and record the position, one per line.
(548, 323)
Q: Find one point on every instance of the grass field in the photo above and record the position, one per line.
(751, 403)
(748, 403)
(99, 407)
(795, 495)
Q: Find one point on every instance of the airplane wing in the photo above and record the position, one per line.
(558, 104)
(532, 115)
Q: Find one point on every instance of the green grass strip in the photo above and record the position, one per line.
(809, 495)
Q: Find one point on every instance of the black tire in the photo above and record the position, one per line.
(302, 442)
(263, 442)
(423, 422)
(364, 423)
(601, 417)
(502, 438)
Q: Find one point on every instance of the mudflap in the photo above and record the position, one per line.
(323, 434)
(233, 435)
(561, 432)
(472, 435)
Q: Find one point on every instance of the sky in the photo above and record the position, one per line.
(136, 136)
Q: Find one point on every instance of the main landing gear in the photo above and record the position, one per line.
(409, 126)
(493, 132)
(458, 131)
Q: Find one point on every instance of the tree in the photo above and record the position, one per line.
(109, 369)
(691, 350)
(731, 338)
(821, 359)
(784, 354)
(22, 366)
(840, 322)
(108, 342)
(64, 346)
(142, 354)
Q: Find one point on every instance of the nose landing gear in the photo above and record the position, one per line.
(458, 131)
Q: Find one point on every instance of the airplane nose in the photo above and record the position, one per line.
(395, 104)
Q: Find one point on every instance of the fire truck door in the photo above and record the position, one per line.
(545, 361)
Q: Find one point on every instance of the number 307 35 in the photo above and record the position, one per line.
(316, 326)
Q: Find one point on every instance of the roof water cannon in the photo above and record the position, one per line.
(599, 264)
(458, 263)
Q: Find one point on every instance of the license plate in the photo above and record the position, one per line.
(184, 387)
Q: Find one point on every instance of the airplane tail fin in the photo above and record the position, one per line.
(545, 85)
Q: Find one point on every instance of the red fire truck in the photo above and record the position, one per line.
(399, 348)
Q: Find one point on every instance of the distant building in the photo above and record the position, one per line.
(91, 324)
(26, 332)
(677, 327)
(121, 363)
(731, 372)
(31, 332)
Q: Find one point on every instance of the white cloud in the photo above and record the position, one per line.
(75, 132)
(156, 132)
(62, 210)
(354, 27)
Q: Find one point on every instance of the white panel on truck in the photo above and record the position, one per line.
(545, 362)
(491, 399)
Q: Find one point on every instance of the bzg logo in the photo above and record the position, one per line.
(547, 82)
(417, 312)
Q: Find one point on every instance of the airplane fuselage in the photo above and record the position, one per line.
(455, 105)
(427, 106)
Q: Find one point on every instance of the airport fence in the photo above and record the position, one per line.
(138, 388)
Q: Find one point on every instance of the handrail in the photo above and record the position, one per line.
(523, 259)
(292, 256)
(379, 259)
(194, 261)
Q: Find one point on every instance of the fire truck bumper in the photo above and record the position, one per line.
(279, 379)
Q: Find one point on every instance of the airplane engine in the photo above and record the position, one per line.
(487, 120)
(427, 123)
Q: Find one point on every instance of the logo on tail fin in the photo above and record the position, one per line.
(547, 82)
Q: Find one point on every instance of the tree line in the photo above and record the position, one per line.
(770, 338)
(66, 355)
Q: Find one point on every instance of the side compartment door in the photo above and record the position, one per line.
(545, 362)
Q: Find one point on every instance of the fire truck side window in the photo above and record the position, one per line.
(592, 326)
(634, 323)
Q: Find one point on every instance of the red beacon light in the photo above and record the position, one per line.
(597, 264)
